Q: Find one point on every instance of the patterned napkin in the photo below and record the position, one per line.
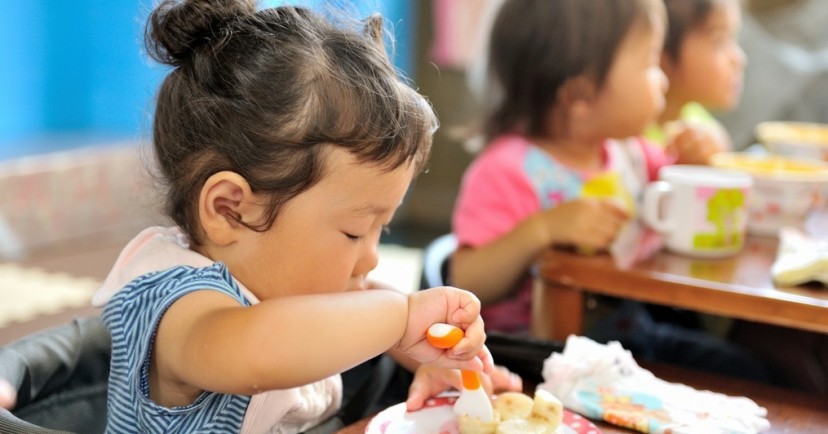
(604, 382)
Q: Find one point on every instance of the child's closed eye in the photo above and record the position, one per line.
(384, 230)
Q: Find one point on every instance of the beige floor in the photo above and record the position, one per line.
(27, 292)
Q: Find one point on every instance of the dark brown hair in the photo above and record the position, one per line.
(535, 46)
(684, 16)
(263, 92)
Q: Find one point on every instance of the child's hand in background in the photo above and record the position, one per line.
(7, 395)
(452, 306)
(588, 223)
(694, 144)
(430, 381)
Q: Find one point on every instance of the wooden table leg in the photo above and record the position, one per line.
(557, 310)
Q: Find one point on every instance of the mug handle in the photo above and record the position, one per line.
(654, 194)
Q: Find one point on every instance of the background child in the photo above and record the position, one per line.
(704, 64)
(287, 142)
(575, 81)
(561, 120)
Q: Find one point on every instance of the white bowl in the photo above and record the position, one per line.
(795, 139)
(785, 189)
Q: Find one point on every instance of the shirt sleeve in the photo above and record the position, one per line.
(495, 196)
(132, 317)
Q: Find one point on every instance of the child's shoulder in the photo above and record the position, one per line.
(509, 143)
(504, 150)
(159, 289)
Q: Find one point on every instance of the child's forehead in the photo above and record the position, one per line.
(349, 172)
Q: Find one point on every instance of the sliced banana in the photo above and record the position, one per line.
(472, 425)
(547, 408)
(513, 405)
(524, 426)
(516, 413)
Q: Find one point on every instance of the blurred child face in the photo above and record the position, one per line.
(325, 239)
(633, 94)
(711, 62)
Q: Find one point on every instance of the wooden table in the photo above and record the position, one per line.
(737, 287)
(788, 411)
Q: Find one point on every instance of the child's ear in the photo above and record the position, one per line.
(578, 95)
(225, 201)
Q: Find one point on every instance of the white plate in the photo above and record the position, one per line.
(437, 417)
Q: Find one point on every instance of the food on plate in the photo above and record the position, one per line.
(798, 139)
(517, 413)
(513, 405)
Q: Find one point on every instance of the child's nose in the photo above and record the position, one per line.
(368, 259)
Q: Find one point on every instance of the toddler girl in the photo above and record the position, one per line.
(704, 63)
(575, 81)
(287, 142)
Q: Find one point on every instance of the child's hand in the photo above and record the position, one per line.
(430, 381)
(693, 144)
(452, 306)
(8, 395)
(588, 223)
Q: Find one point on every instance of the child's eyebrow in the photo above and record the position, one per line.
(370, 209)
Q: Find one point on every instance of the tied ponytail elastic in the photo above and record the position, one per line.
(177, 28)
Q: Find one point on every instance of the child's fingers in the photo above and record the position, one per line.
(464, 349)
(488, 361)
(615, 209)
(503, 380)
(8, 395)
(416, 398)
(474, 364)
(472, 342)
(430, 381)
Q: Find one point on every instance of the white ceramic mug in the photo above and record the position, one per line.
(699, 210)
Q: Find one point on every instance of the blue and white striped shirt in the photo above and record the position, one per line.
(132, 316)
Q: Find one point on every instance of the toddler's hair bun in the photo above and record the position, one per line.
(177, 27)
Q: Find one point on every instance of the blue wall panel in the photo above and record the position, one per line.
(77, 68)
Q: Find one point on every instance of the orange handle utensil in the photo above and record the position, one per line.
(473, 400)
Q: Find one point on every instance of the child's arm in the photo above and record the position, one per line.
(692, 143)
(208, 342)
(491, 271)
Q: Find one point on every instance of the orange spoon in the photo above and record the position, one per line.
(473, 400)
